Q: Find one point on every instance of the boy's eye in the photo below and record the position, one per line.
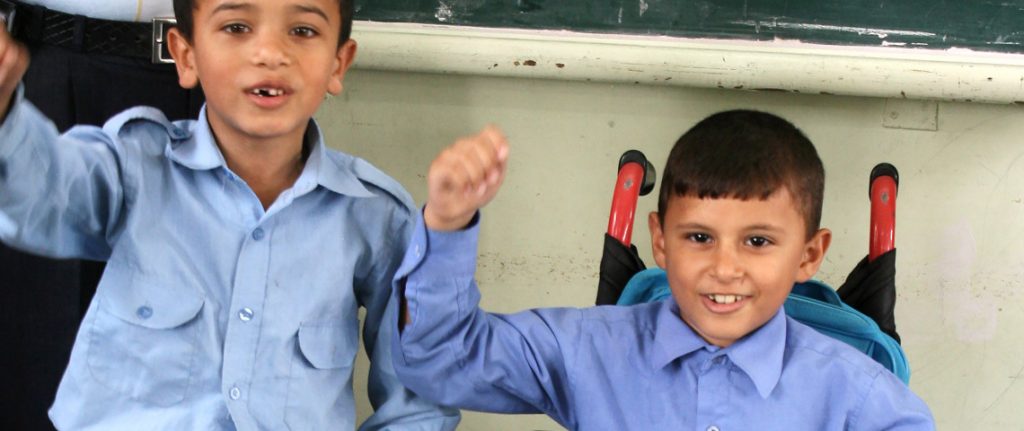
(236, 28)
(758, 241)
(304, 32)
(699, 237)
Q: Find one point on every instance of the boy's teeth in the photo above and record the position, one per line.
(724, 299)
(267, 92)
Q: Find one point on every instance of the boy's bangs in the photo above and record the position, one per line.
(745, 155)
(715, 182)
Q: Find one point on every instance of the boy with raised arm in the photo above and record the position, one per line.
(737, 224)
(240, 247)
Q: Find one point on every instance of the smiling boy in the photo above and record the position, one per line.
(240, 247)
(737, 225)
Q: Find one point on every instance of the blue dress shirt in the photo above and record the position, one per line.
(628, 368)
(212, 314)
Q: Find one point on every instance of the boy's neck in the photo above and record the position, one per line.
(267, 168)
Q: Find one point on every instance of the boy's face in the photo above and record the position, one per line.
(731, 263)
(264, 65)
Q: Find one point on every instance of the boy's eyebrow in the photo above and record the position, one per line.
(313, 9)
(299, 8)
(703, 227)
(765, 227)
(230, 7)
(691, 226)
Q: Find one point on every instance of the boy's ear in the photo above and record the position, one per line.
(657, 238)
(343, 60)
(814, 254)
(184, 58)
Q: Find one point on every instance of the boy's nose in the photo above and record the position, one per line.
(270, 52)
(727, 266)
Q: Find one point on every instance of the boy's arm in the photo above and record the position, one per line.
(891, 405)
(451, 351)
(395, 407)
(59, 195)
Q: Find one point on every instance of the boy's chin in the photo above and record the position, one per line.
(725, 330)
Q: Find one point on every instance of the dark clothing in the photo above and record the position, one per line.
(43, 300)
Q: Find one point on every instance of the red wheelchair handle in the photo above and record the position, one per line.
(636, 178)
(883, 189)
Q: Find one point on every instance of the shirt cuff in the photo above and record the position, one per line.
(436, 255)
(437, 270)
(11, 133)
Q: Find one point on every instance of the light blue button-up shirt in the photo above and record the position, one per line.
(212, 314)
(628, 368)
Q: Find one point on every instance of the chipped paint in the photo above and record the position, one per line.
(790, 66)
(444, 12)
(880, 33)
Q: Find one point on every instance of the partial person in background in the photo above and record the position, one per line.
(90, 60)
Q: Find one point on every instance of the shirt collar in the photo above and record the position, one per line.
(340, 173)
(200, 151)
(672, 336)
(759, 354)
(337, 174)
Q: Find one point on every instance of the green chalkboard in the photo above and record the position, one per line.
(982, 25)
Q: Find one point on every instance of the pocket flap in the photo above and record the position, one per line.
(148, 301)
(328, 346)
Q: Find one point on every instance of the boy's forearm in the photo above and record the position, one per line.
(403, 308)
(5, 105)
(47, 176)
(394, 408)
(454, 353)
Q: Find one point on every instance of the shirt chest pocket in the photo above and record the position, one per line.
(142, 336)
(320, 389)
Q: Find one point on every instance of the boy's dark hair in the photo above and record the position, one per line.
(744, 155)
(183, 14)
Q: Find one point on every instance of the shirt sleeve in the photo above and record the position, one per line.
(395, 407)
(456, 354)
(59, 194)
(891, 405)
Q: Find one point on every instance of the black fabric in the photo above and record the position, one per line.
(871, 289)
(618, 264)
(82, 34)
(43, 300)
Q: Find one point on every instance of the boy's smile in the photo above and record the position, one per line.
(269, 95)
(264, 65)
(731, 263)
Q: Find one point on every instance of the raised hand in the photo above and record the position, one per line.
(464, 178)
(13, 63)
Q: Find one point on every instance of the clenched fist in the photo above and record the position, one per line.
(13, 63)
(464, 178)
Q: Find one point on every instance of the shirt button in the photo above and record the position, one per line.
(712, 428)
(417, 250)
(144, 312)
(235, 393)
(258, 234)
(718, 360)
(177, 133)
(245, 314)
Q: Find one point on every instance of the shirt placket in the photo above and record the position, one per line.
(245, 318)
(712, 393)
